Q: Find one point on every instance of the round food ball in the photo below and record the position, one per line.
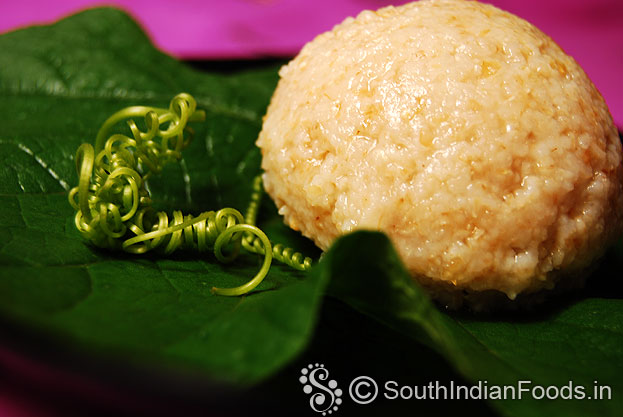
(461, 131)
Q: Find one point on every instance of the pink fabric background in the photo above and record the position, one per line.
(590, 31)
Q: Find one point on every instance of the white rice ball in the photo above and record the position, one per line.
(461, 131)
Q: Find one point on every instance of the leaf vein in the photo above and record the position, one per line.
(40, 161)
(203, 101)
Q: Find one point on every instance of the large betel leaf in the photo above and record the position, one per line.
(57, 86)
(59, 83)
(577, 343)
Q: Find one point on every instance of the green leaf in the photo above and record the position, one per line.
(579, 342)
(57, 85)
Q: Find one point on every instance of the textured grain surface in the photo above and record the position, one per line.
(462, 131)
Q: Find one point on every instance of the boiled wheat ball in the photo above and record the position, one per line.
(461, 131)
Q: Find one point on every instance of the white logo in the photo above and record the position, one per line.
(363, 390)
(326, 398)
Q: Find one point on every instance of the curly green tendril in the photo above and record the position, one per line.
(114, 207)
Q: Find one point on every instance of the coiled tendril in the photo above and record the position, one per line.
(114, 206)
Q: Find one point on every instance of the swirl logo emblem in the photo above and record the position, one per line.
(324, 399)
